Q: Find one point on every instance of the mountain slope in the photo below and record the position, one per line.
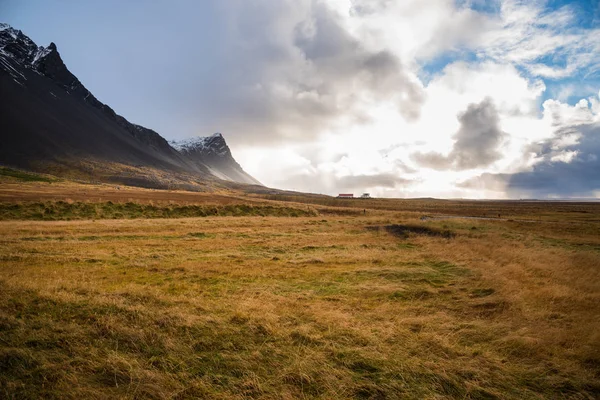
(50, 121)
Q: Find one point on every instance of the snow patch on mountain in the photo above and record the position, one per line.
(11, 31)
(202, 144)
(7, 66)
(41, 53)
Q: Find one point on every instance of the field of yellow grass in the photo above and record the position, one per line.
(327, 304)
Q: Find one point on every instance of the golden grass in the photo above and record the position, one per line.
(307, 307)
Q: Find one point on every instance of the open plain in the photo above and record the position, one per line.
(130, 293)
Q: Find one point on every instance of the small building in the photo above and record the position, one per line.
(365, 196)
(345, 196)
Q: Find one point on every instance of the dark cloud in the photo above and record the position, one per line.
(479, 136)
(580, 176)
(554, 176)
(477, 141)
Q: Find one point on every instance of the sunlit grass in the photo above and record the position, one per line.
(325, 304)
(224, 307)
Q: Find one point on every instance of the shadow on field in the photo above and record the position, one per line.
(403, 231)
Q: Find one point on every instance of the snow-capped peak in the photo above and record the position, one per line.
(18, 53)
(214, 144)
(14, 44)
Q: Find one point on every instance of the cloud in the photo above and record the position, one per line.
(416, 29)
(566, 168)
(548, 42)
(345, 69)
(386, 180)
(486, 182)
(329, 182)
(476, 142)
(295, 70)
(479, 136)
(565, 165)
(433, 160)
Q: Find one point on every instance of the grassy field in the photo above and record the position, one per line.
(500, 209)
(307, 301)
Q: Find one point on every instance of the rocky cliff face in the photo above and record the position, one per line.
(49, 117)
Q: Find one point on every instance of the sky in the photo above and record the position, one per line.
(407, 98)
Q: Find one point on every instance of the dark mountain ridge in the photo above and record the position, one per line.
(50, 122)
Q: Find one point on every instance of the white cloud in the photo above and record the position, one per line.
(565, 156)
(526, 31)
(516, 50)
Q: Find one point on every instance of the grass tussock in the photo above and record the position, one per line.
(284, 307)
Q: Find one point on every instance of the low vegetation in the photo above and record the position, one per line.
(22, 176)
(63, 210)
(375, 305)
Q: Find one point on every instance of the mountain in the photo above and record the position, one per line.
(213, 152)
(52, 123)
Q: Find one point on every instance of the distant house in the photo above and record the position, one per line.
(365, 196)
(345, 196)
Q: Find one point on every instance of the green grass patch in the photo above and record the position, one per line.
(569, 244)
(24, 176)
